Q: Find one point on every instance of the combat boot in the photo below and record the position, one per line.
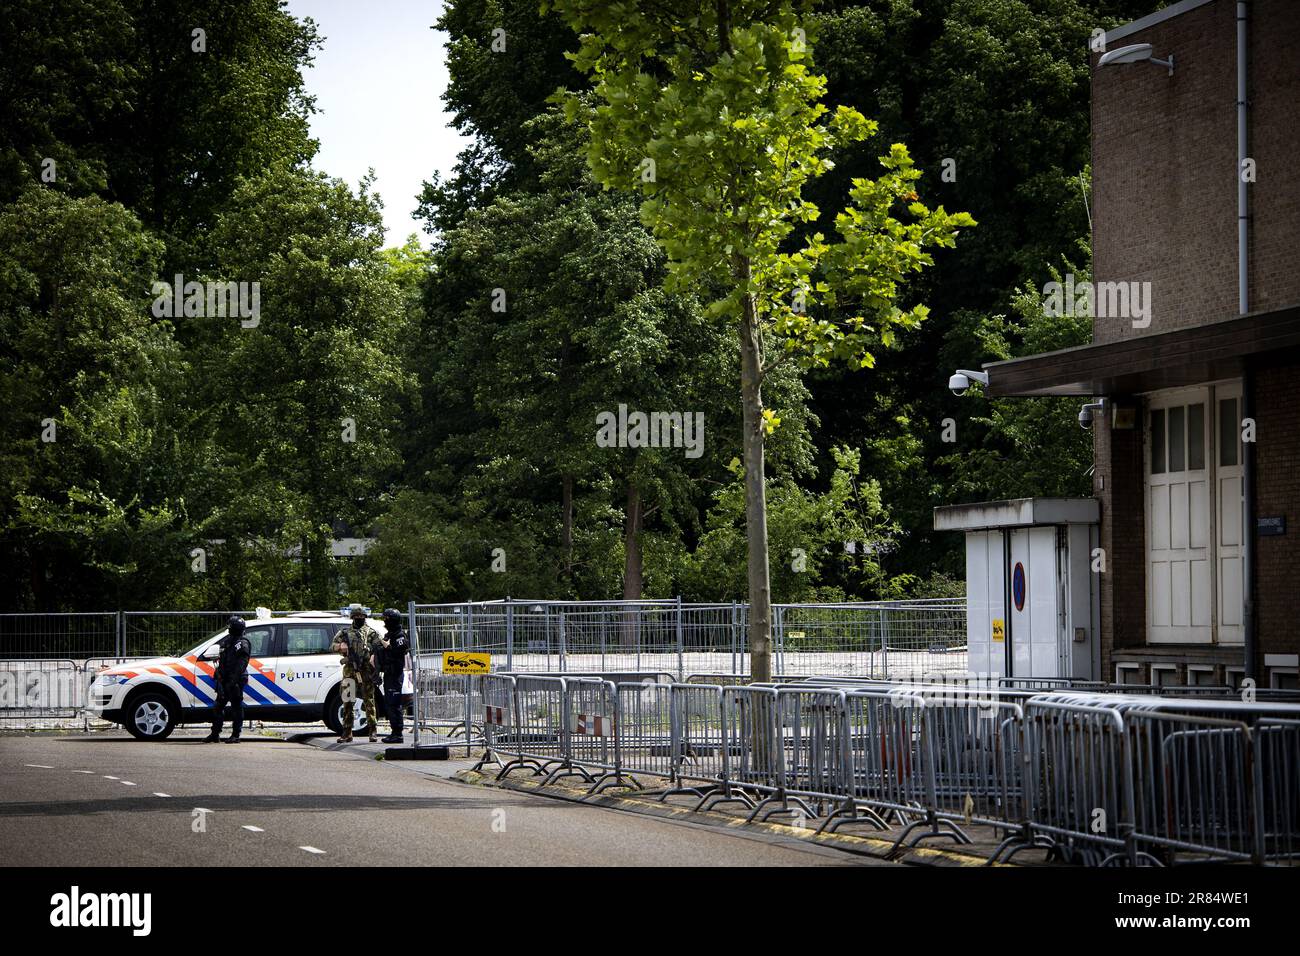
(212, 738)
(232, 739)
(393, 739)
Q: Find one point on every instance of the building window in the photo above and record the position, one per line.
(1165, 675)
(1200, 675)
(1229, 432)
(1235, 675)
(1128, 673)
(1284, 678)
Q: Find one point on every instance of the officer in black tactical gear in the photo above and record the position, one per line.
(231, 676)
(394, 652)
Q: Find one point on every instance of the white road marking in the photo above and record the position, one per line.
(107, 777)
(162, 794)
(253, 829)
(38, 766)
(89, 772)
(311, 849)
(126, 783)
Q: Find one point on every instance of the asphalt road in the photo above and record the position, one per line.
(108, 800)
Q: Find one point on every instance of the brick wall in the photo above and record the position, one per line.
(1117, 482)
(1164, 167)
(1275, 134)
(1165, 212)
(1277, 492)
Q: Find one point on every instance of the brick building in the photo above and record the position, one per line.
(1204, 355)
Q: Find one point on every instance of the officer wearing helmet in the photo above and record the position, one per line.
(357, 646)
(393, 652)
(230, 678)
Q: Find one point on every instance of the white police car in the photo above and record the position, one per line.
(292, 677)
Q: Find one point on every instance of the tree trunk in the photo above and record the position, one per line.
(751, 391)
(632, 545)
(631, 623)
(566, 527)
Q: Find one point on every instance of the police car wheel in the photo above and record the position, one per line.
(333, 714)
(151, 717)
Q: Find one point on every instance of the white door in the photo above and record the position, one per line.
(1179, 517)
(1230, 513)
(307, 667)
(1034, 626)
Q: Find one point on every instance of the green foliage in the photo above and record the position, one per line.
(773, 203)
(810, 536)
(94, 484)
(720, 126)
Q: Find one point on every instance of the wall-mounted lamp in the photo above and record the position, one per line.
(1137, 53)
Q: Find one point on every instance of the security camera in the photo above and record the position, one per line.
(960, 381)
(1089, 412)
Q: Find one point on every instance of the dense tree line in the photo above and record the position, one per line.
(446, 401)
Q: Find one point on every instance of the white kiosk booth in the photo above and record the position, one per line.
(1033, 605)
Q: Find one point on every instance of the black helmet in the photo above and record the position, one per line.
(236, 625)
(392, 617)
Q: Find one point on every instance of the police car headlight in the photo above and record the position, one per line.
(107, 680)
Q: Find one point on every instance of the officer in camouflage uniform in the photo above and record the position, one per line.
(357, 645)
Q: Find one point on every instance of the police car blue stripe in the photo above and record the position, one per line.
(248, 691)
(276, 688)
(184, 682)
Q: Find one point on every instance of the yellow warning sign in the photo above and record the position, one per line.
(999, 631)
(466, 662)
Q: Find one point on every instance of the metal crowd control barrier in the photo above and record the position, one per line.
(500, 719)
(645, 729)
(592, 718)
(885, 765)
(536, 740)
(1094, 778)
(544, 720)
(1197, 786)
(750, 761)
(1277, 753)
(811, 750)
(1083, 770)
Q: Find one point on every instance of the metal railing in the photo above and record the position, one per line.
(882, 639)
(1094, 778)
(108, 634)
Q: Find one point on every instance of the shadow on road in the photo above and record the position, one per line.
(309, 803)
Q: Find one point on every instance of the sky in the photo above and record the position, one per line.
(378, 82)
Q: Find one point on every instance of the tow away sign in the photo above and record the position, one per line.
(466, 662)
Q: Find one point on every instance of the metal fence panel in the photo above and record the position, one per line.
(66, 636)
(170, 633)
(1084, 797)
(40, 689)
(645, 738)
(1277, 769)
(1195, 785)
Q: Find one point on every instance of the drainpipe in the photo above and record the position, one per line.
(1248, 377)
(1243, 295)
